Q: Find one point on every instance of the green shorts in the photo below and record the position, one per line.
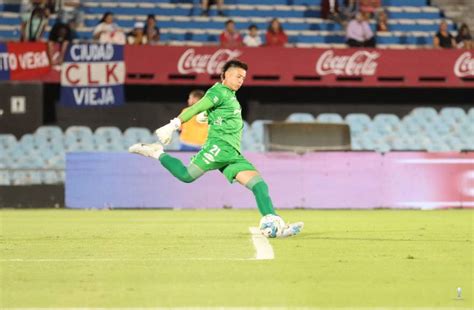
(218, 154)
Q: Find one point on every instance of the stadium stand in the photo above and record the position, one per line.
(411, 23)
(39, 157)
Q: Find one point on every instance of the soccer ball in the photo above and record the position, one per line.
(201, 118)
(271, 225)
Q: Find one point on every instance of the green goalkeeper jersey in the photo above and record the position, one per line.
(225, 116)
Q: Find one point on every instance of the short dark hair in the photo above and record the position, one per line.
(229, 21)
(234, 63)
(197, 93)
(464, 26)
(253, 26)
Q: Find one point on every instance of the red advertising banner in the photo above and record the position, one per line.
(300, 66)
(27, 61)
(304, 67)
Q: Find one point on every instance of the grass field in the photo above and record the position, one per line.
(165, 258)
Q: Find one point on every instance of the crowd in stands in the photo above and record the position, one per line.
(354, 15)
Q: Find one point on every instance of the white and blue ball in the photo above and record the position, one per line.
(271, 225)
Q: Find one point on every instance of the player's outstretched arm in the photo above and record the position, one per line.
(165, 133)
(202, 105)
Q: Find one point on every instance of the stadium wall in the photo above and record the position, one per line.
(21, 107)
(32, 196)
(326, 180)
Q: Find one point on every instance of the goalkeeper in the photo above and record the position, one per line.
(222, 147)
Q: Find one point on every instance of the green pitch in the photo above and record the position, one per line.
(67, 258)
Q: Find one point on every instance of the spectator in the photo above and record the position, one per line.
(59, 39)
(359, 33)
(275, 34)
(107, 31)
(230, 37)
(137, 35)
(368, 8)
(382, 22)
(464, 38)
(206, 4)
(443, 39)
(49, 6)
(252, 39)
(33, 24)
(194, 132)
(349, 10)
(330, 9)
(152, 31)
(69, 11)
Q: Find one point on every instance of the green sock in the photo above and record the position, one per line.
(180, 171)
(260, 189)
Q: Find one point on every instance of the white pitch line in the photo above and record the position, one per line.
(263, 251)
(263, 248)
(59, 260)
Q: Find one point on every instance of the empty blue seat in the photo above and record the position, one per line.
(398, 144)
(356, 144)
(109, 146)
(300, 117)
(330, 118)
(108, 138)
(385, 123)
(44, 141)
(26, 177)
(352, 118)
(55, 162)
(258, 128)
(72, 144)
(79, 138)
(368, 144)
(415, 144)
(425, 111)
(49, 131)
(78, 131)
(4, 178)
(108, 132)
(454, 143)
(470, 114)
(425, 117)
(175, 143)
(26, 146)
(50, 177)
(453, 114)
(7, 142)
(134, 135)
(438, 147)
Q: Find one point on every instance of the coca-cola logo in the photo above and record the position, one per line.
(359, 63)
(191, 62)
(464, 65)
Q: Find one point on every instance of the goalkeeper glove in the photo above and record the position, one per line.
(201, 118)
(165, 133)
